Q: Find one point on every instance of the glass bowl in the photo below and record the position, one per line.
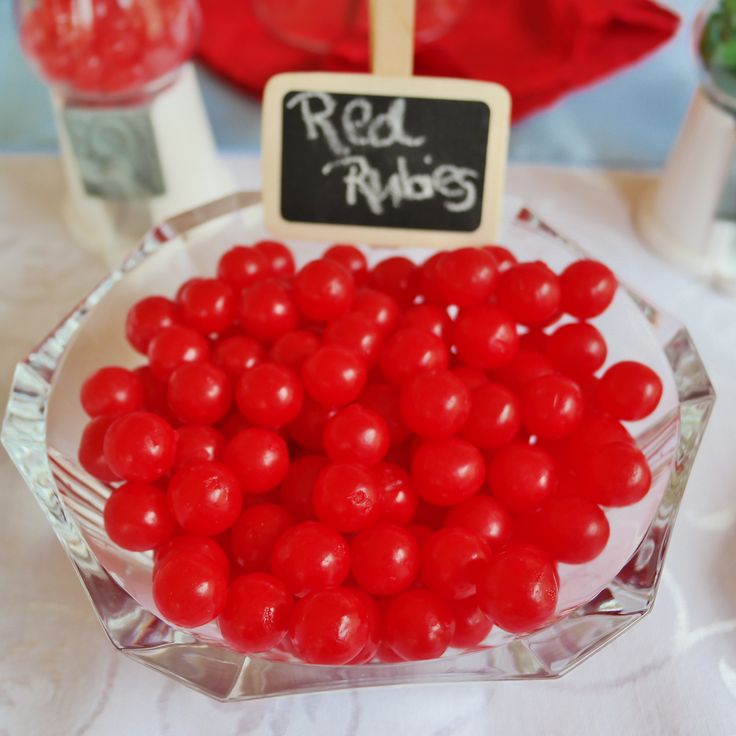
(598, 601)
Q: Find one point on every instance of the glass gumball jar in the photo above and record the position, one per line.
(126, 103)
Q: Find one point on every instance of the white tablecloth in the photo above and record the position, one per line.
(673, 673)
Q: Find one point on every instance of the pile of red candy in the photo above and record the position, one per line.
(356, 464)
(109, 46)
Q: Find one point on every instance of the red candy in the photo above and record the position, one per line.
(253, 535)
(256, 614)
(259, 458)
(330, 626)
(518, 589)
(356, 435)
(199, 393)
(522, 477)
(384, 559)
(137, 517)
(466, 277)
(587, 288)
(418, 624)
(447, 471)
(629, 390)
(205, 498)
(334, 376)
(207, 305)
(269, 395)
(435, 404)
(410, 351)
(323, 290)
(140, 446)
(310, 556)
(451, 561)
(147, 318)
(333, 437)
(112, 390)
(189, 589)
(346, 497)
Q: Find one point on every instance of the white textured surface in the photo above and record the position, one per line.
(674, 673)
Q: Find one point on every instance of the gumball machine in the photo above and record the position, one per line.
(134, 136)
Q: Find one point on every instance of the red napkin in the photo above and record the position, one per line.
(539, 49)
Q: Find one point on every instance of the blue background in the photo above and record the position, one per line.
(629, 120)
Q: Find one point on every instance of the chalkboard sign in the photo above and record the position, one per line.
(410, 161)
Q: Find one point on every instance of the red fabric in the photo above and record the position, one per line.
(539, 49)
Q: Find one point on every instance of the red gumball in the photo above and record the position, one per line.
(280, 260)
(428, 317)
(435, 404)
(357, 332)
(197, 443)
(207, 305)
(243, 265)
(518, 589)
(410, 351)
(269, 395)
(551, 407)
(530, 293)
(486, 517)
(266, 310)
(112, 391)
(485, 336)
(587, 288)
(173, 346)
(398, 499)
(293, 348)
(91, 453)
(147, 318)
(310, 556)
(199, 393)
(236, 354)
(398, 277)
(334, 376)
(356, 435)
(137, 517)
(629, 390)
(466, 277)
(254, 534)
(472, 625)
(346, 497)
(495, 417)
(451, 561)
(323, 290)
(351, 259)
(259, 458)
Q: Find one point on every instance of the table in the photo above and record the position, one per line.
(673, 673)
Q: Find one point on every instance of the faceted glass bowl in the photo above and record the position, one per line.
(597, 602)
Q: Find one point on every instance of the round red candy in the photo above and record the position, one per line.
(380, 308)
(280, 260)
(310, 556)
(173, 346)
(472, 625)
(243, 265)
(495, 417)
(266, 310)
(236, 354)
(615, 474)
(428, 317)
(451, 560)
(207, 305)
(357, 332)
(435, 404)
(485, 336)
(112, 390)
(571, 530)
(189, 589)
(323, 290)
(137, 517)
(351, 259)
(466, 277)
(259, 458)
(199, 393)
(530, 293)
(525, 367)
(205, 498)
(447, 471)
(269, 395)
(256, 614)
(91, 453)
(587, 288)
(522, 477)
(486, 517)
(334, 376)
(346, 498)
(254, 534)
(147, 318)
(330, 626)
(518, 589)
(140, 446)
(356, 435)
(191, 543)
(398, 499)
(398, 277)
(551, 406)
(577, 349)
(410, 351)
(293, 348)
(629, 390)
(197, 443)
(384, 559)
(418, 624)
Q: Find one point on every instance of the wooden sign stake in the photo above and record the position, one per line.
(392, 37)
